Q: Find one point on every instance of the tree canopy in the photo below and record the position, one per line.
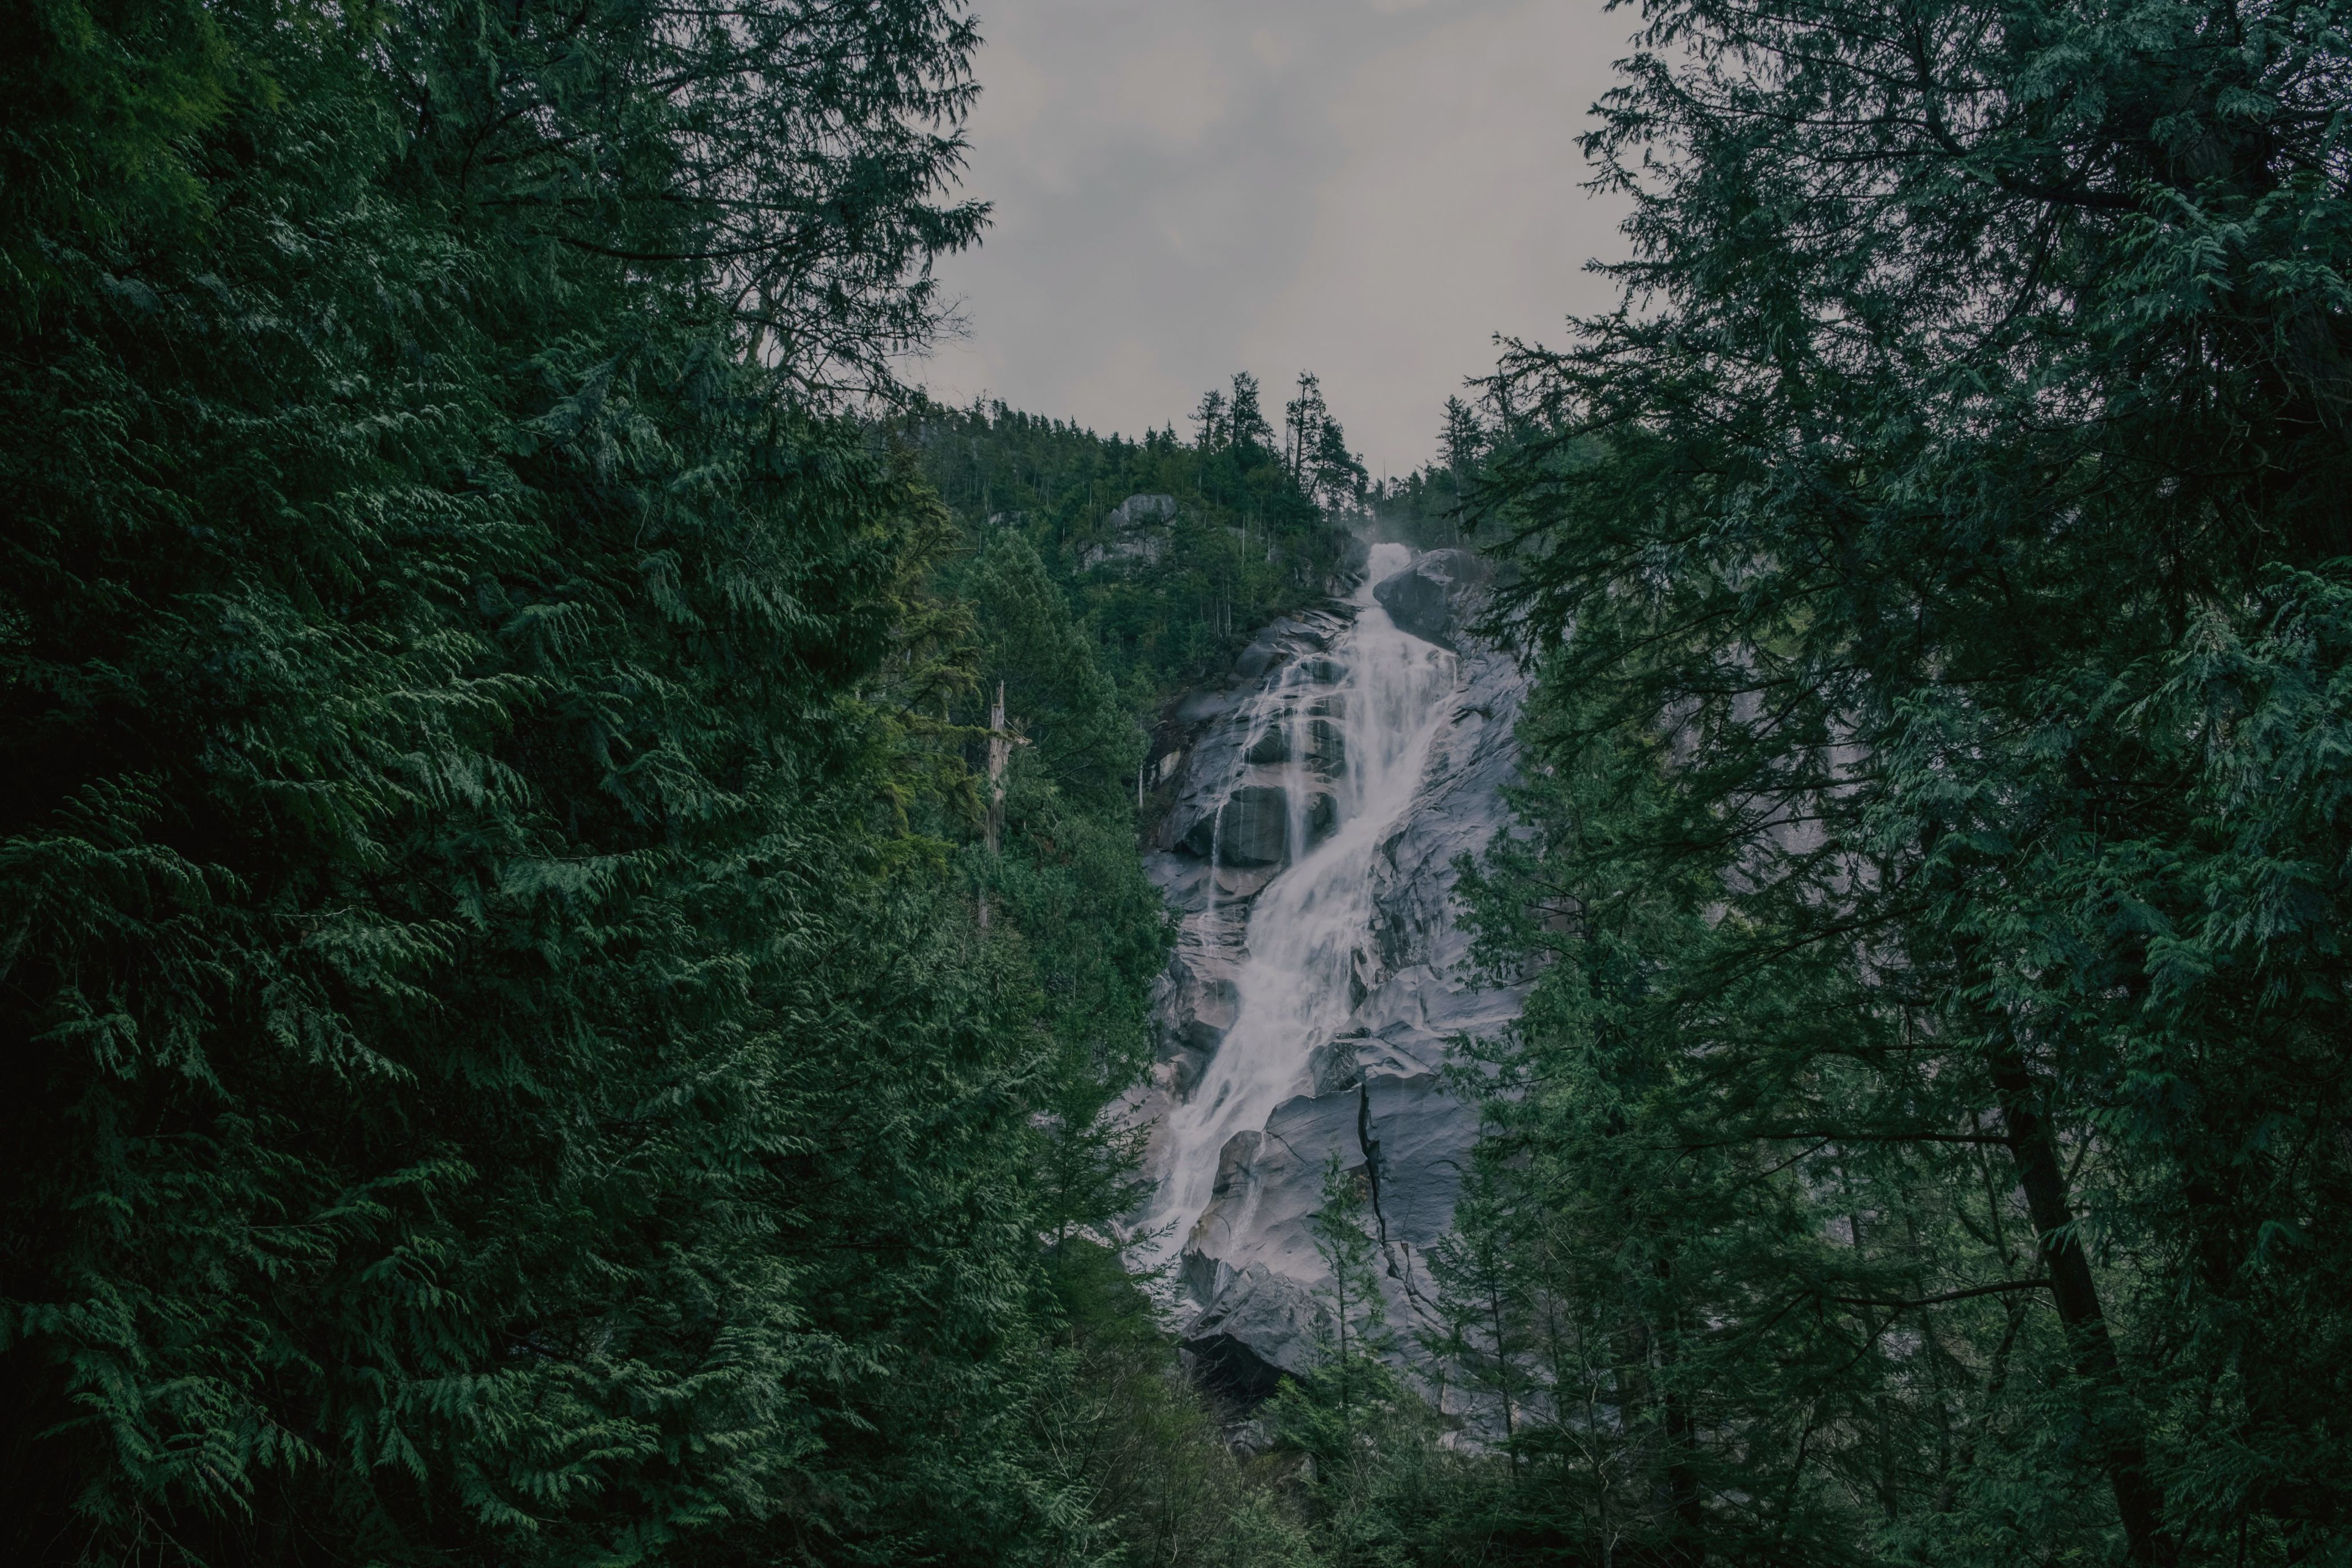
(1930, 1120)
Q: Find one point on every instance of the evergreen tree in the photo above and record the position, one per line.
(1211, 422)
(1070, 713)
(1316, 448)
(1335, 1416)
(1932, 570)
(1338, 474)
(1245, 428)
(1302, 422)
(504, 1067)
(1164, 602)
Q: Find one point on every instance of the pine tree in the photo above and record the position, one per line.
(1303, 419)
(1246, 430)
(1338, 477)
(1339, 1415)
(1212, 424)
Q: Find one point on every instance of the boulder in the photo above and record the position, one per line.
(1431, 597)
(1133, 536)
(1138, 509)
(1261, 1327)
(1355, 554)
(1145, 547)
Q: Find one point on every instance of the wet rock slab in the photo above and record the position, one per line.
(1435, 597)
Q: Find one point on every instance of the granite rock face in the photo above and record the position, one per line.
(1274, 746)
(1265, 1325)
(1254, 827)
(1436, 597)
(1140, 509)
(1136, 531)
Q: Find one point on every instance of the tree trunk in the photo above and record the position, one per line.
(2139, 1500)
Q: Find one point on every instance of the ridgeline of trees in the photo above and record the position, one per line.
(1256, 529)
(549, 1023)
(1431, 508)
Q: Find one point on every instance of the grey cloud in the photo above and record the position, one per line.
(1368, 190)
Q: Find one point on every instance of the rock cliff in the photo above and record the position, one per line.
(1319, 802)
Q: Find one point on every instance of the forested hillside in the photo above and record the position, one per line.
(1229, 527)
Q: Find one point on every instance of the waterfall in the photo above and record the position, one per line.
(1345, 740)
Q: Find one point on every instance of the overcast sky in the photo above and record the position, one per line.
(1367, 189)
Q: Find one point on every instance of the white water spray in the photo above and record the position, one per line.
(1381, 693)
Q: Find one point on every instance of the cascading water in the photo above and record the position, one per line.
(1347, 737)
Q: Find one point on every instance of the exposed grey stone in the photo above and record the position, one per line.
(1274, 746)
(1267, 650)
(1327, 747)
(1374, 1096)
(1434, 597)
(1238, 884)
(1138, 509)
(1201, 706)
(1233, 1158)
(1144, 547)
(1261, 1326)
(1258, 1434)
(1253, 828)
(1333, 1066)
(1198, 836)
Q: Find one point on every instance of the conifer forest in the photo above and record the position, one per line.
(626, 939)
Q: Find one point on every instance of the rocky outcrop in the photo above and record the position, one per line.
(1137, 530)
(1437, 596)
(1254, 827)
(1265, 1326)
(1138, 509)
(1202, 758)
